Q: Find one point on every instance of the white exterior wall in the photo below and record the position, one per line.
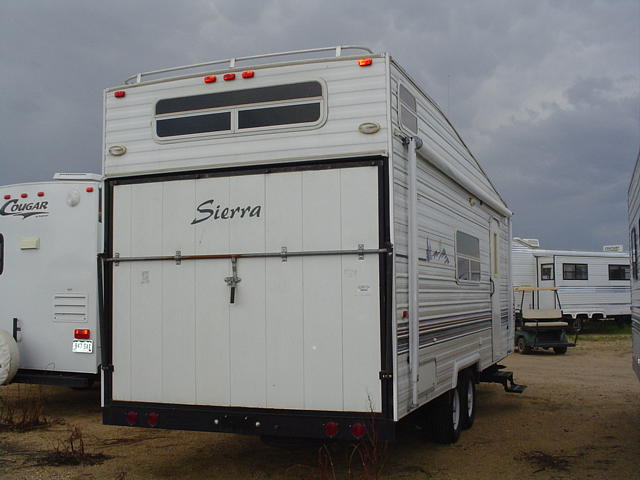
(634, 223)
(50, 286)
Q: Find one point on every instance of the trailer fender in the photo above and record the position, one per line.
(460, 365)
(9, 358)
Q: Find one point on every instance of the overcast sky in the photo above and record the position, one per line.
(545, 93)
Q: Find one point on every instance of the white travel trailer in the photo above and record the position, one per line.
(591, 285)
(50, 236)
(297, 248)
(634, 244)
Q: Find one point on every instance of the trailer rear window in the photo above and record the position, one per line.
(467, 257)
(408, 109)
(546, 271)
(297, 104)
(575, 271)
(619, 272)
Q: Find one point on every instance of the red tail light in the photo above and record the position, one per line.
(132, 418)
(89, 189)
(229, 76)
(82, 333)
(152, 419)
(210, 79)
(405, 314)
(119, 94)
(331, 429)
(7, 197)
(358, 430)
(24, 195)
(365, 62)
(41, 194)
(248, 74)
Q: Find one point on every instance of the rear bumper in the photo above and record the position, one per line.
(251, 421)
(62, 379)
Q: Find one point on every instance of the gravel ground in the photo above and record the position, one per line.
(579, 418)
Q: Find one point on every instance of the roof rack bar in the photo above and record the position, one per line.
(232, 61)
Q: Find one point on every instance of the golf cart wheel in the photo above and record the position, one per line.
(577, 324)
(468, 399)
(560, 350)
(522, 346)
(446, 417)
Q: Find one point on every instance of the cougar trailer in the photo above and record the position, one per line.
(301, 248)
(634, 231)
(591, 284)
(50, 236)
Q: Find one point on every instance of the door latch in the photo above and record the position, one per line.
(233, 280)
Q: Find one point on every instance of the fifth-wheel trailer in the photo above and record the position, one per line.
(634, 232)
(50, 236)
(303, 248)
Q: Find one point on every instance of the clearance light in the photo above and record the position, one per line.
(358, 430)
(119, 94)
(331, 429)
(405, 314)
(365, 62)
(7, 197)
(229, 76)
(41, 194)
(152, 419)
(248, 74)
(210, 79)
(23, 195)
(89, 189)
(132, 418)
(82, 333)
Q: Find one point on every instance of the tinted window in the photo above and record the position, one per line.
(634, 253)
(467, 257)
(575, 271)
(264, 117)
(467, 245)
(214, 122)
(239, 97)
(619, 272)
(546, 271)
(1, 254)
(408, 111)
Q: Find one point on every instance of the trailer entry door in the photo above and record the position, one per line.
(302, 330)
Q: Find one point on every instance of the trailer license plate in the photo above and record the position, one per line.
(82, 346)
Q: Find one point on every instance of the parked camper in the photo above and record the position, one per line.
(50, 235)
(634, 244)
(591, 285)
(304, 248)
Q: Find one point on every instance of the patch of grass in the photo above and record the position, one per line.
(71, 451)
(22, 408)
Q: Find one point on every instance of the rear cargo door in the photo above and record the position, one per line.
(301, 331)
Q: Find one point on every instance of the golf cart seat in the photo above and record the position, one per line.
(535, 314)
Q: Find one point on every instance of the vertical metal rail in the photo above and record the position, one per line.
(414, 316)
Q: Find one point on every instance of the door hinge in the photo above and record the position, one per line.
(106, 368)
(385, 375)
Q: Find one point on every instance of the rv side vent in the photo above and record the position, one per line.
(70, 307)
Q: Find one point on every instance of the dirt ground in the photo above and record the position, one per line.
(579, 418)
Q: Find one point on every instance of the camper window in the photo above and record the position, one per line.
(634, 253)
(575, 271)
(228, 112)
(1, 254)
(618, 272)
(408, 111)
(546, 271)
(467, 257)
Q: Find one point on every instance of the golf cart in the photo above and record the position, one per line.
(541, 328)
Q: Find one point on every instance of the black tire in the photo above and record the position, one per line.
(560, 350)
(446, 417)
(468, 399)
(522, 346)
(577, 324)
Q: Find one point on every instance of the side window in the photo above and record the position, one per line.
(1, 254)
(634, 253)
(546, 271)
(618, 272)
(575, 271)
(407, 109)
(467, 257)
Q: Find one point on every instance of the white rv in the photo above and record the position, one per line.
(297, 248)
(50, 236)
(634, 244)
(591, 284)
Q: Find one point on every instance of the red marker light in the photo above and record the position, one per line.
(210, 79)
(331, 429)
(89, 189)
(152, 419)
(358, 430)
(132, 418)
(23, 195)
(7, 197)
(41, 194)
(248, 74)
(119, 94)
(229, 76)
(82, 333)
(405, 314)
(365, 62)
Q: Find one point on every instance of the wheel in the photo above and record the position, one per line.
(577, 324)
(468, 397)
(560, 350)
(446, 417)
(522, 346)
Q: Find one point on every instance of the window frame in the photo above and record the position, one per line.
(625, 269)
(469, 258)
(234, 110)
(553, 272)
(403, 105)
(564, 273)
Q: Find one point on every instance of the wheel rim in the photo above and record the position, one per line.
(470, 398)
(455, 409)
